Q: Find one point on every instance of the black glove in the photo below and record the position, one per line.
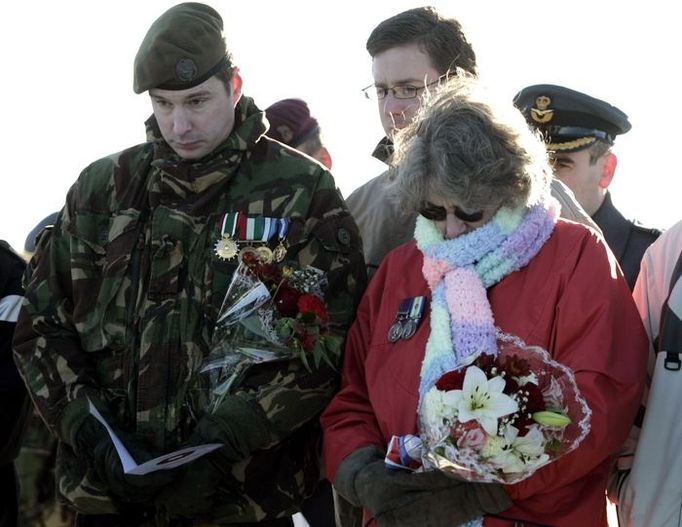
(407, 499)
(93, 443)
(240, 425)
(450, 506)
(192, 494)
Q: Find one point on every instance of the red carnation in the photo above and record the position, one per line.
(286, 300)
(311, 304)
(452, 380)
(536, 402)
(269, 273)
(486, 362)
(516, 366)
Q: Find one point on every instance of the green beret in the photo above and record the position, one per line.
(183, 48)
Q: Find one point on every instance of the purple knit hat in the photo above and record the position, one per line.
(291, 122)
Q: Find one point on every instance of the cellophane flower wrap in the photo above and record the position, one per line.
(500, 417)
(270, 312)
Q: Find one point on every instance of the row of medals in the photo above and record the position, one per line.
(227, 249)
(402, 329)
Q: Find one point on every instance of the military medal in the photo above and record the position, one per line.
(409, 329)
(413, 318)
(281, 249)
(280, 252)
(396, 330)
(264, 254)
(226, 248)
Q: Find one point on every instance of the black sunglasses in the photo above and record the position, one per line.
(434, 213)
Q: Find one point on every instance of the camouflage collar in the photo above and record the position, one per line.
(249, 127)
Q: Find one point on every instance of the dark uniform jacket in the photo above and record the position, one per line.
(125, 295)
(14, 403)
(627, 239)
(13, 398)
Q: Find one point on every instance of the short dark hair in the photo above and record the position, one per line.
(225, 73)
(442, 39)
(598, 149)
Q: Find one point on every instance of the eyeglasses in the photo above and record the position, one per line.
(401, 91)
(435, 213)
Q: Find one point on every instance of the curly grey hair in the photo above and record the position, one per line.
(463, 146)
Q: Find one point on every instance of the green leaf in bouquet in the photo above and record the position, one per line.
(309, 318)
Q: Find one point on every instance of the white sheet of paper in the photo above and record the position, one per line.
(165, 462)
(174, 459)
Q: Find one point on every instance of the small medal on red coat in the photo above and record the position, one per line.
(396, 330)
(414, 317)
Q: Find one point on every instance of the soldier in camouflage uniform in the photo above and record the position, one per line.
(122, 303)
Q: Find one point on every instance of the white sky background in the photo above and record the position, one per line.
(67, 99)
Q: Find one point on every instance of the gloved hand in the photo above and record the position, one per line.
(92, 442)
(240, 425)
(398, 498)
(191, 495)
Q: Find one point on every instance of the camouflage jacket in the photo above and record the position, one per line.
(122, 303)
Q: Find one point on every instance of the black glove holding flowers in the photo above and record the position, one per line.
(398, 498)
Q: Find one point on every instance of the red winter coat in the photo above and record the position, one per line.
(572, 300)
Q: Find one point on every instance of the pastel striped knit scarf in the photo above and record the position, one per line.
(459, 271)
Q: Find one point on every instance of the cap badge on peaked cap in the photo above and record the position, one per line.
(541, 112)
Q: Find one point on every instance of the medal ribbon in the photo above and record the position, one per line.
(229, 224)
(261, 228)
(283, 229)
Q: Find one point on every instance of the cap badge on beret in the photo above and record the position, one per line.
(186, 70)
(542, 113)
(286, 133)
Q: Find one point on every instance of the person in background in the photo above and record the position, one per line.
(122, 305)
(35, 464)
(36, 232)
(291, 124)
(14, 402)
(648, 489)
(579, 132)
(411, 53)
(489, 252)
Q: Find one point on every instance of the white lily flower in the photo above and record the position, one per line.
(481, 399)
(532, 445)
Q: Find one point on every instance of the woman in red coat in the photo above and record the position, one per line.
(488, 252)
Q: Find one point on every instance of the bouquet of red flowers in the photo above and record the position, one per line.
(270, 312)
(500, 418)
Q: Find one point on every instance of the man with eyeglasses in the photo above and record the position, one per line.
(411, 52)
